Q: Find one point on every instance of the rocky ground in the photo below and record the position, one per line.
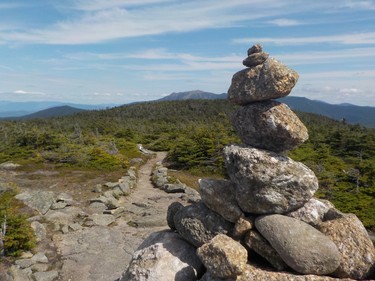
(83, 241)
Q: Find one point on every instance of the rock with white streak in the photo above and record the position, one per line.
(266, 182)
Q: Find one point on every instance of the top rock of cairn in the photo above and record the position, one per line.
(264, 78)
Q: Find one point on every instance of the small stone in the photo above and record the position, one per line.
(58, 205)
(172, 210)
(223, 256)
(260, 245)
(102, 219)
(24, 263)
(198, 224)
(46, 276)
(257, 48)
(218, 195)
(40, 257)
(301, 246)
(355, 246)
(255, 59)
(65, 229)
(75, 226)
(97, 188)
(243, 226)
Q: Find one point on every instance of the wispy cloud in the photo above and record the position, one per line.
(344, 39)
(284, 22)
(357, 4)
(95, 5)
(22, 92)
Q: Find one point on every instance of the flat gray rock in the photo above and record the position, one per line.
(38, 200)
(164, 255)
(255, 59)
(218, 195)
(46, 276)
(267, 182)
(198, 224)
(269, 125)
(301, 246)
(266, 81)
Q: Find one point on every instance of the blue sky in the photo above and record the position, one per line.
(121, 51)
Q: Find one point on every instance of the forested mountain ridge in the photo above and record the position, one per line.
(194, 133)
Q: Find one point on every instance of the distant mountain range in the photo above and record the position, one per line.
(193, 95)
(17, 109)
(364, 115)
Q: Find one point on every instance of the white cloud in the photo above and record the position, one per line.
(95, 5)
(357, 4)
(284, 22)
(22, 92)
(344, 39)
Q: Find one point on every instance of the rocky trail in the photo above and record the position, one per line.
(83, 236)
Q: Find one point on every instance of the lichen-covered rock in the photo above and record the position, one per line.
(269, 80)
(172, 210)
(355, 246)
(312, 212)
(164, 255)
(223, 256)
(257, 48)
(243, 226)
(254, 273)
(301, 246)
(266, 182)
(198, 224)
(218, 195)
(260, 245)
(269, 125)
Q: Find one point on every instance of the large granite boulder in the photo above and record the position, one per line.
(198, 224)
(218, 195)
(265, 81)
(223, 256)
(313, 212)
(301, 246)
(172, 210)
(269, 125)
(164, 255)
(355, 246)
(267, 182)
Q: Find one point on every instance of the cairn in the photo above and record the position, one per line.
(263, 223)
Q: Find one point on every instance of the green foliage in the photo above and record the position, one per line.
(194, 133)
(19, 235)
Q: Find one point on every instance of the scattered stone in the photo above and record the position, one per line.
(41, 267)
(164, 256)
(111, 184)
(198, 224)
(300, 245)
(115, 212)
(223, 256)
(173, 188)
(39, 230)
(40, 257)
(75, 226)
(218, 195)
(64, 197)
(97, 188)
(243, 226)
(355, 247)
(102, 219)
(266, 182)
(125, 188)
(255, 59)
(46, 276)
(65, 229)
(37, 200)
(312, 212)
(172, 210)
(24, 263)
(260, 245)
(26, 255)
(269, 125)
(18, 274)
(58, 205)
(269, 80)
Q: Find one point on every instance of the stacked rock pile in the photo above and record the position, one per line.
(263, 223)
